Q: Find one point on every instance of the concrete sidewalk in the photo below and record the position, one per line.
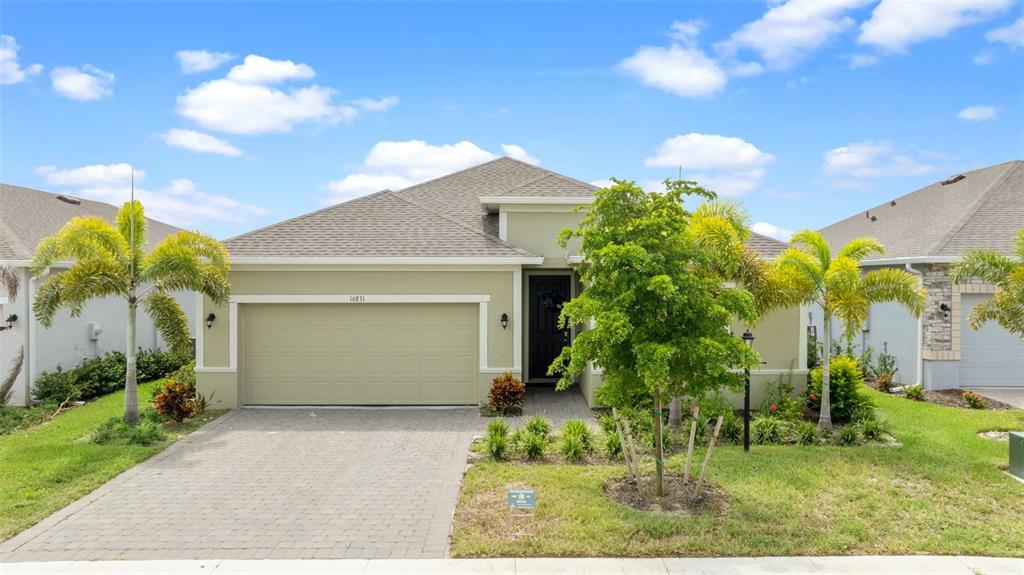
(869, 565)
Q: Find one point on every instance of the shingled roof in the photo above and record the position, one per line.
(27, 216)
(438, 218)
(981, 209)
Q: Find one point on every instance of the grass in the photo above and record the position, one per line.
(941, 492)
(44, 468)
(13, 418)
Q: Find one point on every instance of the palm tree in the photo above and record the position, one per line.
(1007, 272)
(838, 285)
(111, 260)
(9, 284)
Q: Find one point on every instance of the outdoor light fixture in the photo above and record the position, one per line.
(945, 310)
(504, 321)
(209, 320)
(748, 338)
(10, 321)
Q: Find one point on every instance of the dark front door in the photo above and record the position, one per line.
(546, 340)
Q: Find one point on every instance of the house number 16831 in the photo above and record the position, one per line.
(357, 299)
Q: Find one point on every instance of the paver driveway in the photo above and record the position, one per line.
(276, 483)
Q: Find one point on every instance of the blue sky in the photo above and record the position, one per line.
(238, 115)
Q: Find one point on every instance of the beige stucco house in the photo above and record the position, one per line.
(415, 297)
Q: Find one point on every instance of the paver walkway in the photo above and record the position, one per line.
(868, 565)
(275, 483)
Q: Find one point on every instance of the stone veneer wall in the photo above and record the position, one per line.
(938, 329)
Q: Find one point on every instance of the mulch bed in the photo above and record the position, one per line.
(679, 498)
(954, 398)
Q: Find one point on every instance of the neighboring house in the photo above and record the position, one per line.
(419, 296)
(923, 232)
(26, 217)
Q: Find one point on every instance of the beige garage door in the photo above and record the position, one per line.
(360, 354)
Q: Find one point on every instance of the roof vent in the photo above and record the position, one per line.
(70, 200)
(874, 218)
(867, 215)
(892, 203)
(953, 179)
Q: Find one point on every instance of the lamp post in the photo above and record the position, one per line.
(748, 338)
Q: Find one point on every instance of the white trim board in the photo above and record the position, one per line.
(428, 261)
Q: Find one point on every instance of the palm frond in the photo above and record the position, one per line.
(843, 276)
(981, 264)
(91, 278)
(133, 212)
(80, 238)
(803, 268)
(860, 248)
(10, 281)
(169, 319)
(850, 307)
(203, 246)
(189, 261)
(1018, 245)
(48, 300)
(891, 284)
(728, 211)
(815, 244)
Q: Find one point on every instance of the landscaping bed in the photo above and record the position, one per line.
(48, 466)
(955, 398)
(941, 490)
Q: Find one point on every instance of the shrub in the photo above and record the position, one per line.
(975, 401)
(766, 430)
(915, 393)
(101, 375)
(114, 431)
(496, 446)
(848, 435)
(176, 400)
(537, 425)
(732, 428)
(186, 373)
(56, 387)
(532, 445)
(806, 433)
(612, 444)
(844, 386)
(577, 428)
(573, 448)
(497, 427)
(871, 429)
(155, 363)
(506, 395)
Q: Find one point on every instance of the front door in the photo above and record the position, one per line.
(545, 339)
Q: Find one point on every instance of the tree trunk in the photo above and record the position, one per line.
(675, 414)
(659, 448)
(825, 419)
(131, 388)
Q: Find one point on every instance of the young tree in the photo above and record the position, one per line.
(112, 260)
(838, 285)
(1007, 272)
(656, 293)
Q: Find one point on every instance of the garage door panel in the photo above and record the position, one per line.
(989, 356)
(360, 354)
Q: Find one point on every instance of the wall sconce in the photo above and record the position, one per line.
(209, 320)
(504, 321)
(945, 310)
(10, 320)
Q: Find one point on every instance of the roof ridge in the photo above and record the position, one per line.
(549, 174)
(973, 209)
(769, 238)
(304, 215)
(455, 173)
(461, 225)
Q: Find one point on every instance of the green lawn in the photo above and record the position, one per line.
(941, 492)
(46, 467)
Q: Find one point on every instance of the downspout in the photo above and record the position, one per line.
(30, 335)
(920, 332)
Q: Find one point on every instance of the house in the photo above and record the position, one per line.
(417, 297)
(924, 232)
(26, 217)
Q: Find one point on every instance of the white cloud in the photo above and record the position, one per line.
(983, 58)
(766, 229)
(728, 165)
(397, 165)
(788, 32)
(745, 69)
(85, 84)
(602, 183)
(683, 71)
(194, 61)
(870, 159)
(686, 31)
(11, 71)
(518, 153)
(1012, 35)
(895, 25)
(863, 60)
(179, 203)
(262, 70)
(199, 142)
(244, 102)
(977, 113)
(379, 105)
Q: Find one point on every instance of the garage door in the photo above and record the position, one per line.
(990, 356)
(360, 354)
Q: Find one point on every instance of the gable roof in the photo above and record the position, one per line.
(27, 216)
(440, 218)
(984, 209)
